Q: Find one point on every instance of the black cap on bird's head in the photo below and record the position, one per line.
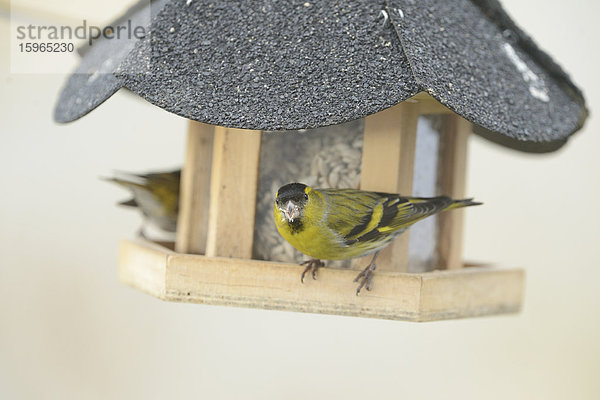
(291, 199)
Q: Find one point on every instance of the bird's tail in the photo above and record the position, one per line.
(129, 203)
(462, 203)
(127, 180)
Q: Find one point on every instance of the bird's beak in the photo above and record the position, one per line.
(290, 211)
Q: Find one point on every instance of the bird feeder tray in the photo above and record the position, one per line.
(238, 70)
(444, 294)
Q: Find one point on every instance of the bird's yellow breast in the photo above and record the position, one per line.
(314, 238)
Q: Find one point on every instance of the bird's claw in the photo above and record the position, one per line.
(367, 278)
(313, 266)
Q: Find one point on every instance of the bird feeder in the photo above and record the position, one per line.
(377, 95)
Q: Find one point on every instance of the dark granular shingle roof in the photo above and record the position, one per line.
(290, 65)
(478, 67)
(94, 81)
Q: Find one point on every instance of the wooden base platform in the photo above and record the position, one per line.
(467, 292)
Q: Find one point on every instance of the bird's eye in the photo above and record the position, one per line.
(305, 196)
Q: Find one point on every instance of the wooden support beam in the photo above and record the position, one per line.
(192, 222)
(234, 183)
(387, 166)
(428, 105)
(428, 296)
(453, 169)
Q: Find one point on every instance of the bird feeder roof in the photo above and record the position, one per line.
(275, 65)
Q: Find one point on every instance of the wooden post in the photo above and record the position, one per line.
(453, 170)
(192, 223)
(387, 166)
(234, 183)
(428, 105)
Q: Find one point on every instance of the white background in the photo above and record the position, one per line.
(70, 330)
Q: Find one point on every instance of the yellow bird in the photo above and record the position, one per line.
(338, 224)
(156, 195)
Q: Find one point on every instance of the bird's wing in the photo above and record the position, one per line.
(350, 211)
(169, 177)
(417, 208)
(370, 216)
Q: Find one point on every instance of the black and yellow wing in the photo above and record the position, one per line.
(361, 216)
